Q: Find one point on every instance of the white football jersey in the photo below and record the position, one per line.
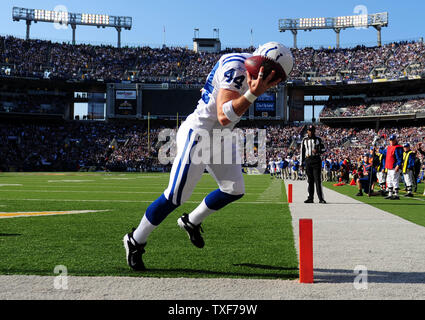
(228, 73)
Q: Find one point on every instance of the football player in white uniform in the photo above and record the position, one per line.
(228, 92)
(272, 165)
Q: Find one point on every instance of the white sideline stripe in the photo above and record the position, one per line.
(132, 187)
(148, 177)
(84, 191)
(69, 180)
(5, 215)
(139, 201)
(417, 199)
(10, 185)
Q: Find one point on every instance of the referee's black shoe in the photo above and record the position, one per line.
(309, 201)
(322, 201)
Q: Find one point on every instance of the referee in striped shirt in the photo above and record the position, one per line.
(311, 149)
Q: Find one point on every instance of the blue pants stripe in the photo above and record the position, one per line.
(176, 175)
(184, 176)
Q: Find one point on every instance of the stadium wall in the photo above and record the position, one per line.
(166, 100)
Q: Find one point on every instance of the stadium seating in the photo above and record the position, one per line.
(79, 145)
(360, 109)
(37, 58)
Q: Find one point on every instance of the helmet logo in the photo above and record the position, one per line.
(270, 50)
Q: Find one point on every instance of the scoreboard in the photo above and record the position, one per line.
(126, 102)
(265, 105)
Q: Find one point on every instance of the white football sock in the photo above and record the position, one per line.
(143, 230)
(200, 213)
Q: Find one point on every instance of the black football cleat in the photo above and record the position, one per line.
(134, 252)
(395, 198)
(359, 194)
(193, 231)
(309, 201)
(410, 195)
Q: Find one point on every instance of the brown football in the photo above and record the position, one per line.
(254, 63)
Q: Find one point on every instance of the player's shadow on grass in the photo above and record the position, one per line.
(10, 234)
(162, 273)
(348, 276)
(208, 273)
(264, 267)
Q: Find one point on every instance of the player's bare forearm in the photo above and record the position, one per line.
(241, 104)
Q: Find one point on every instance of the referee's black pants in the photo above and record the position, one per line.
(313, 168)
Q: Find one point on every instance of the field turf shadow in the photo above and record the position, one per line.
(264, 267)
(222, 274)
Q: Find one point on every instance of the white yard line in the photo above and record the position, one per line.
(91, 191)
(139, 201)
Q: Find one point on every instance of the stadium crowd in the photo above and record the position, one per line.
(360, 108)
(41, 59)
(81, 145)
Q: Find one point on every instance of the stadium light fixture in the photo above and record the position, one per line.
(376, 20)
(72, 19)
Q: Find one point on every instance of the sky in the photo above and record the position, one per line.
(234, 19)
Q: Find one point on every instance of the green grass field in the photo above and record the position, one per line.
(251, 238)
(411, 209)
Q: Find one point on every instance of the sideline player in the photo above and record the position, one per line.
(381, 171)
(280, 168)
(393, 162)
(367, 176)
(295, 168)
(228, 92)
(408, 168)
(272, 165)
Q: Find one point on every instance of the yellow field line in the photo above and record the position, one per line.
(40, 213)
(14, 214)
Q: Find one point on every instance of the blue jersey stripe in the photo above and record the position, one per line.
(235, 56)
(242, 61)
(208, 87)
